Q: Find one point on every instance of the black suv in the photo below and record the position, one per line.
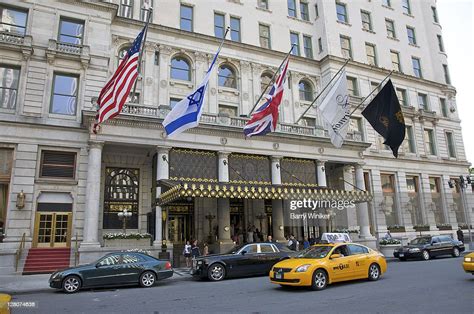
(426, 247)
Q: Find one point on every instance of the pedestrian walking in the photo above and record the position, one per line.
(293, 244)
(205, 250)
(460, 235)
(195, 252)
(269, 238)
(187, 253)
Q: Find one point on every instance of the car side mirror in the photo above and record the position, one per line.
(243, 252)
(336, 256)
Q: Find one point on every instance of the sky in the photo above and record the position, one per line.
(458, 34)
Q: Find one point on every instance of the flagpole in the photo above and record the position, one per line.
(380, 84)
(271, 81)
(150, 11)
(322, 91)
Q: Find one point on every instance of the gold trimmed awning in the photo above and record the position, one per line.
(180, 190)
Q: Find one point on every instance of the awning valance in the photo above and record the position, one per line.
(178, 190)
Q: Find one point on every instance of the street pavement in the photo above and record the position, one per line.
(435, 286)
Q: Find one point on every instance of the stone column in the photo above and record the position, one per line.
(91, 218)
(277, 205)
(223, 205)
(321, 172)
(162, 173)
(362, 208)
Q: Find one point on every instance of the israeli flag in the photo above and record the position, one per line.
(186, 113)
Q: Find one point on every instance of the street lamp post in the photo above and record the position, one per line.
(463, 183)
(124, 216)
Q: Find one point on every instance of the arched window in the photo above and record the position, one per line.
(227, 77)
(265, 79)
(306, 91)
(121, 192)
(180, 69)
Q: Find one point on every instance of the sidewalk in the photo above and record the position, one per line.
(13, 284)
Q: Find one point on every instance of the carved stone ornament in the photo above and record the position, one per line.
(276, 146)
(163, 83)
(223, 140)
(149, 80)
(213, 91)
(321, 150)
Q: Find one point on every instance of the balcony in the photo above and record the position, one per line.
(12, 41)
(68, 51)
(426, 115)
(160, 112)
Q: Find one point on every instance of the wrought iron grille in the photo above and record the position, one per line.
(193, 165)
(294, 170)
(252, 169)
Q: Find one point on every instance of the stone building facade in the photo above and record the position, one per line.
(60, 183)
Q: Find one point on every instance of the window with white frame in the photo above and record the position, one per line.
(126, 8)
(13, 20)
(64, 95)
(9, 78)
(450, 143)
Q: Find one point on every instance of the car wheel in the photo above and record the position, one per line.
(71, 284)
(456, 252)
(374, 272)
(147, 279)
(425, 255)
(216, 272)
(320, 280)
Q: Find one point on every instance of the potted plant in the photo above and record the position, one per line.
(420, 228)
(444, 227)
(464, 226)
(387, 246)
(132, 240)
(396, 228)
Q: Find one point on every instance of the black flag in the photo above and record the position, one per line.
(386, 117)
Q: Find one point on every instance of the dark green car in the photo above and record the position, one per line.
(114, 269)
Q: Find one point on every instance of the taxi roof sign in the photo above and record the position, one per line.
(336, 237)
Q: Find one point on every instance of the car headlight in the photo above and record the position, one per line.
(302, 268)
(414, 250)
(200, 262)
(55, 275)
(468, 259)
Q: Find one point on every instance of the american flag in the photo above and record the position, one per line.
(115, 92)
(265, 119)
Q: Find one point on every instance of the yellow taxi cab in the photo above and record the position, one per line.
(323, 264)
(468, 263)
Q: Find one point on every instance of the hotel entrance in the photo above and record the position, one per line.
(52, 230)
(180, 223)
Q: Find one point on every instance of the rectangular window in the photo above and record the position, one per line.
(406, 7)
(434, 185)
(304, 11)
(263, 4)
(387, 3)
(235, 28)
(71, 31)
(416, 67)
(57, 164)
(411, 35)
(395, 55)
(9, 78)
(341, 13)
(352, 86)
(440, 43)
(435, 14)
(307, 121)
(450, 142)
(264, 32)
(446, 74)
(13, 20)
(346, 49)
(422, 101)
(64, 96)
(409, 139)
(355, 129)
(186, 18)
(145, 10)
(370, 52)
(157, 58)
(174, 101)
(308, 46)
(366, 20)
(320, 45)
(219, 25)
(228, 111)
(429, 142)
(402, 96)
(295, 39)
(390, 26)
(444, 108)
(126, 8)
(316, 10)
(292, 8)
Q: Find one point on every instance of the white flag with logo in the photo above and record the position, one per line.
(335, 110)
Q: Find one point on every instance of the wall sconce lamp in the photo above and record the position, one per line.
(20, 200)
(277, 166)
(224, 162)
(226, 228)
(280, 227)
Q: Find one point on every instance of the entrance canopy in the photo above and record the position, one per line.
(174, 190)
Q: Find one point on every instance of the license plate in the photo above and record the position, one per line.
(278, 276)
(402, 254)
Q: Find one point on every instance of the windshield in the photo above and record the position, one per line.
(420, 241)
(315, 252)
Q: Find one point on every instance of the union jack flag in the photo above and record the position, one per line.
(114, 94)
(265, 119)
